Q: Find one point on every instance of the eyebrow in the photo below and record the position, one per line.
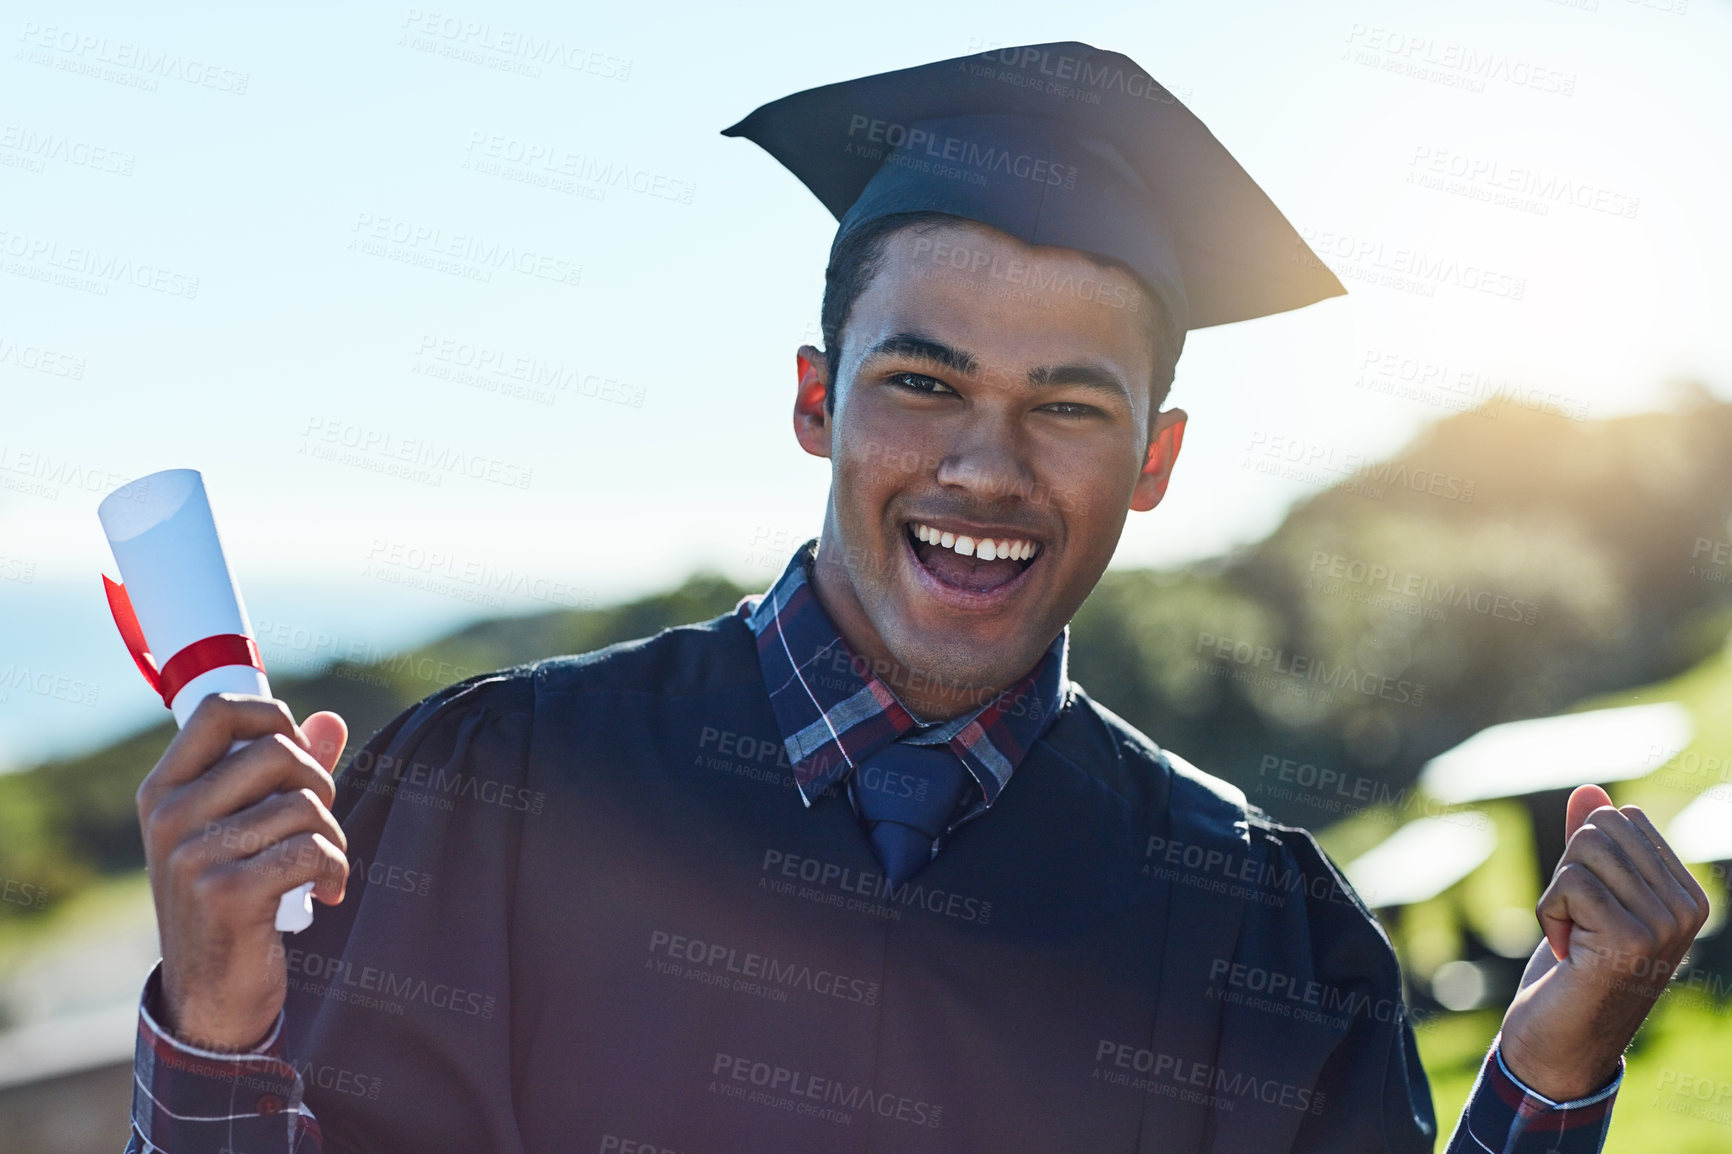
(1084, 376)
(925, 348)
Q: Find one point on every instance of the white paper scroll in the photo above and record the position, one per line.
(180, 585)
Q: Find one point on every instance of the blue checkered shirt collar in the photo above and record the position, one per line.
(834, 711)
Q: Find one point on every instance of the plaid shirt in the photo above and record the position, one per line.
(833, 711)
(191, 1101)
(1505, 1117)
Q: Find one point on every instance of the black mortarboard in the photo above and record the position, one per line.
(1056, 144)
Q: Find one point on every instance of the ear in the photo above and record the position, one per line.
(811, 421)
(1169, 434)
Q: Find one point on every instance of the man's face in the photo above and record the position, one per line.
(990, 392)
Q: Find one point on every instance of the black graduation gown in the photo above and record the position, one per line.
(588, 911)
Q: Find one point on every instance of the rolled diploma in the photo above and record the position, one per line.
(180, 585)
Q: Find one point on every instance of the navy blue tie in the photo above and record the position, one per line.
(906, 794)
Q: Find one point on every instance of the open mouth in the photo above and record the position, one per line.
(977, 565)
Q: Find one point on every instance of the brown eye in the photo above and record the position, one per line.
(920, 383)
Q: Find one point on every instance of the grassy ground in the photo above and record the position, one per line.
(92, 951)
(1677, 1092)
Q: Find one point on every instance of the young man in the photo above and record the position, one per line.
(857, 867)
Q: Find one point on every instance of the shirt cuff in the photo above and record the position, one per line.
(185, 1098)
(1507, 1115)
(1604, 1094)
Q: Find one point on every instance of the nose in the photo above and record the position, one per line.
(988, 461)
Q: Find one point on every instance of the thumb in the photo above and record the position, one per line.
(327, 733)
(1553, 909)
(1585, 800)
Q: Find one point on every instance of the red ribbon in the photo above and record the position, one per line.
(201, 656)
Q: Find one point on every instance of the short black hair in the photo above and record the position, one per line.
(856, 258)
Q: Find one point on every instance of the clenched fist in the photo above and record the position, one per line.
(1619, 915)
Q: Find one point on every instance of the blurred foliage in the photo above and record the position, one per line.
(1582, 565)
(1507, 564)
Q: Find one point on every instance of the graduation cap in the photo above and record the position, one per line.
(1056, 144)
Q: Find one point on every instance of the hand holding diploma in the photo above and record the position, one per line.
(235, 816)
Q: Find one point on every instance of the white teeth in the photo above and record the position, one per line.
(986, 549)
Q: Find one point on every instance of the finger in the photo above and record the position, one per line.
(1576, 896)
(1596, 847)
(219, 721)
(329, 734)
(1583, 801)
(1640, 851)
(246, 777)
(257, 883)
(1674, 864)
(331, 877)
(276, 819)
(1554, 910)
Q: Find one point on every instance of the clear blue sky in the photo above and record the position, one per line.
(301, 167)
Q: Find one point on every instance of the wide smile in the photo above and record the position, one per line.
(970, 568)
